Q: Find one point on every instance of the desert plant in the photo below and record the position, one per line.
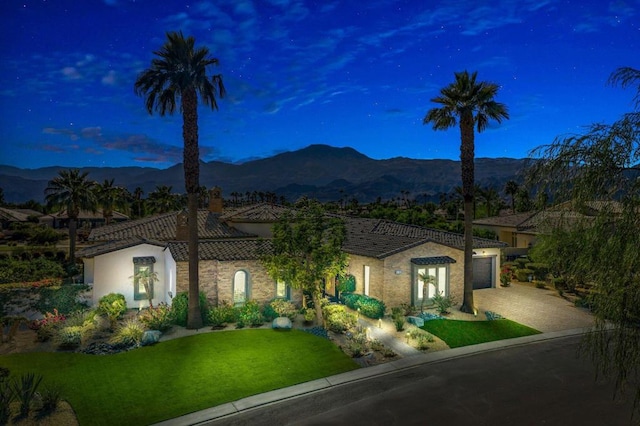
(159, 317)
(338, 319)
(129, 334)
(408, 309)
(25, 389)
(51, 396)
(399, 322)
(426, 281)
(443, 303)
(6, 395)
(146, 277)
(70, 337)
(356, 349)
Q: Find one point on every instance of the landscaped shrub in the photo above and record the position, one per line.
(45, 327)
(249, 314)
(69, 337)
(540, 270)
(368, 306)
(522, 275)
(113, 306)
(180, 308)
(280, 308)
(129, 334)
(397, 316)
(309, 315)
(51, 396)
(25, 389)
(6, 395)
(443, 303)
(521, 262)
(222, 315)
(338, 319)
(63, 298)
(347, 284)
(160, 317)
(13, 269)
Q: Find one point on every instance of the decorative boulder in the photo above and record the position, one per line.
(150, 337)
(417, 321)
(281, 323)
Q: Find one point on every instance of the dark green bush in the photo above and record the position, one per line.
(180, 308)
(540, 270)
(368, 306)
(63, 298)
(17, 270)
(222, 315)
(521, 262)
(523, 274)
(347, 284)
(249, 314)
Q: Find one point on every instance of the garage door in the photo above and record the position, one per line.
(482, 272)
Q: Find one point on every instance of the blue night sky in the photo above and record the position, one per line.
(298, 72)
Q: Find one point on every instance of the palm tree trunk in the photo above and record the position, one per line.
(192, 185)
(467, 162)
(72, 240)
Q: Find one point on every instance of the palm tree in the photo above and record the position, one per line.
(71, 192)
(109, 198)
(472, 105)
(137, 205)
(491, 195)
(161, 200)
(179, 75)
(511, 188)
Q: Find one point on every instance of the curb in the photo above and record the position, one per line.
(260, 400)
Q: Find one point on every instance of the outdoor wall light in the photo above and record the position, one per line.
(398, 271)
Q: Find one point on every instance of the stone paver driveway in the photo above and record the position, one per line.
(538, 308)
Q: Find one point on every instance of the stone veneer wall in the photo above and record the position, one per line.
(376, 274)
(216, 281)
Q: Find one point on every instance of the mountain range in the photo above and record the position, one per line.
(317, 171)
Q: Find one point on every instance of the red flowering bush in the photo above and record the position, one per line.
(45, 327)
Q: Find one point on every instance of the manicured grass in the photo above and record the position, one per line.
(180, 376)
(458, 333)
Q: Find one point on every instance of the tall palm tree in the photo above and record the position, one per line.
(511, 188)
(179, 76)
(137, 204)
(71, 192)
(110, 198)
(472, 105)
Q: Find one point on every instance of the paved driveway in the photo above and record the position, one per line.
(538, 308)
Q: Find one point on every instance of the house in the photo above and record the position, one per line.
(9, 216)
(520, 230)
(385, 257)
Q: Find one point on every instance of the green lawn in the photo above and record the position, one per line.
(180, 376)
(458, 333)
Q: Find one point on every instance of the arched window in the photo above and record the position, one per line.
(240, 287)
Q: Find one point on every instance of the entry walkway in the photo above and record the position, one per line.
(389, 341)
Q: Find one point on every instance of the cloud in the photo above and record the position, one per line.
(109, 79)
(71, 73)
(71, 134)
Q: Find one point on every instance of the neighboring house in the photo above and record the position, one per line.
(385, 257)
(513, 229)
(9, 216)
(86, 219)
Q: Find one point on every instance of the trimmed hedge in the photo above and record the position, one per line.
(523, 274)
(347, 284)
(368, 306)
(540, 270)
(180, 308)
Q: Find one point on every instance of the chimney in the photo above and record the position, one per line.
(182, 226)
(215, 200)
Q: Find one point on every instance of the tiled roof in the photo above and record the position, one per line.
(163, 227)
(238, 249)
(434, 260)
(110, 246)
(89, 215)
(262, 212)
(512, 220)
(17, 215)
(381, 238)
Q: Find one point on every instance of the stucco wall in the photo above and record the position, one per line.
(112, 273)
